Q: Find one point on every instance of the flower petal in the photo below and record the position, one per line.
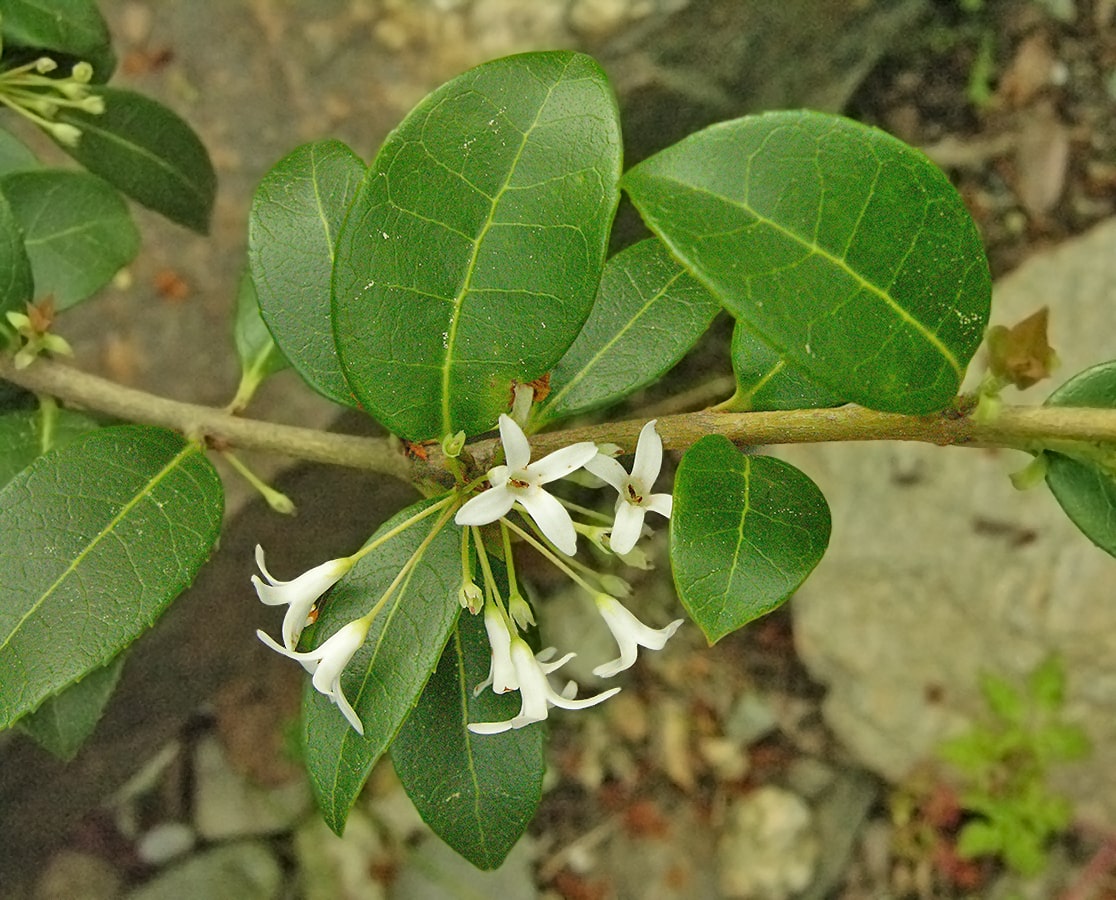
(663, 504)
(560, 700)
(562, 462)
(648, 456)
(489, 506)
(626, 528)
(263, 568)
(630, 634)
(552, 518)
(608, 469)
(517, 452)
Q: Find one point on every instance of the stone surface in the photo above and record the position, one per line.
(345, 867)
(227, 805)
(77, 876)
(246, 870)
(938, 569)
(768, 849)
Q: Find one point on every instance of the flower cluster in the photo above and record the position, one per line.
(516, 485)
(37, 94)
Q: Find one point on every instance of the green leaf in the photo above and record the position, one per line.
(258, 355)
(17, 286)
(74, 28)
(388, 673)
(477, 792)
(744, 534)
(1005, 701)
(296, 214)
(27, 434)
(149, 153)
(764, 381)
(472, 254)
(649, 312)
(62, 723)
(76, 229)
(15, 156)
(978, 838)
(845, 250)
(1086, 488)
(1059, 742)
(1046, 685)
(98, 538)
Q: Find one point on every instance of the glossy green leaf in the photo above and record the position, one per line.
(478, 792)
(96, 539)
(17, 287)
(1086, 489)
(255, 348)
(472, 254)
(149, 153)
(649, 312)
(73, 28)
(845, 250)
(26, 435)
(62, 723)
(76, 229)
(764, 381)
(15, 156)
(744, 534)
(296, 214)
(388, 673)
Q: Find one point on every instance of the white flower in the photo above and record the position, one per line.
(327, 662)
(630, 633)
(536, 694)
(300, 594)
(520, 481)
(635, 490)
(501, 674)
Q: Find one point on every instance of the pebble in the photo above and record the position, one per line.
(768, 849)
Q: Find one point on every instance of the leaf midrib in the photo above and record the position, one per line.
(459, 300)
(140, 495)
(814, 248)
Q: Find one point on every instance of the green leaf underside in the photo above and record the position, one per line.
(388, 673)
(847, 251)
(764, 381)
(649, 312)
(62, 723)
(25, 435)
(98, 538)
(477, 792)
(744, 534)
(472, 254)
(71, 27)
(77, 231)
(15, 156)
(255, 349)
(296, 215)
(149, 153)
(1086, 491)
(17, 286)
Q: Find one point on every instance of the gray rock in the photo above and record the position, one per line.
(938, 569)
(244, 870)
(229, 806)
(768, 849)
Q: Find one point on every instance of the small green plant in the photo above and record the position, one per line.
(1014, 813)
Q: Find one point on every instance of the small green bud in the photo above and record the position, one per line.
(453, 444)
(520, 610)
(65, 133)
(470, 596)
(616, 585)
(92, 104)
(82, 72)
(45, 64)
